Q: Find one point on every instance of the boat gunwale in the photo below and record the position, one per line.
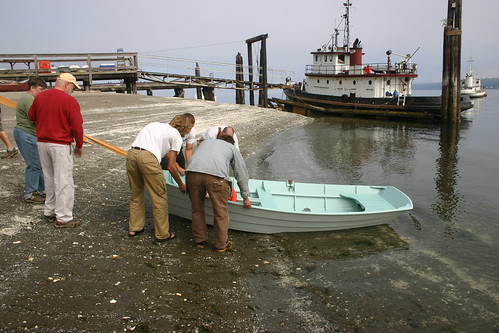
(256, 203)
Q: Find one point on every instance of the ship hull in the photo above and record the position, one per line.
(424, 106)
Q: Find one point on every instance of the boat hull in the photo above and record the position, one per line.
(474, 93)
(276, 219)
(420, 105)
(8, 87)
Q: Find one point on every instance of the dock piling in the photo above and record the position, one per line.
(451, 73)
(197, 72)
(239, 79)
(262, 70)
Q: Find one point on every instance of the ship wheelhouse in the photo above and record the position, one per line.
(341, 72)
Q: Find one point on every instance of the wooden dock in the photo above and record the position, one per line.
(86, 67)
(121, 72)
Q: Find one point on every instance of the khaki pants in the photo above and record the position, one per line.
(57, 166)
(218, 189)
(144, 170)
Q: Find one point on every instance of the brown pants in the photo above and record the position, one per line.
(218, 189)
(144, 170)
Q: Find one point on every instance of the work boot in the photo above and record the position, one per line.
(10, 153)
(35, 199)
(70, 224)
(49, 219)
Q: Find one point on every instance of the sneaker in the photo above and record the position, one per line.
(10, 153)
(49, 219)
(201, 245)
(70, 224)
(35, 199)
(228, 246)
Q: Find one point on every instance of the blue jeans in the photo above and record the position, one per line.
(33, 175)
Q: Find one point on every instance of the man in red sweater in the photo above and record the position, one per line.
(58, 123)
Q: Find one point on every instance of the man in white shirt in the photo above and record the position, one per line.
(153, 142)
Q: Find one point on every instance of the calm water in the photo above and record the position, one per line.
(451, 176)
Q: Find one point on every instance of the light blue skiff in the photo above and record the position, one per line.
(288, 206)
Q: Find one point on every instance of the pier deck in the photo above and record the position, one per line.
(120, 71)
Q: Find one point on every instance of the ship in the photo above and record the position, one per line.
(472, 84)
(340, 82)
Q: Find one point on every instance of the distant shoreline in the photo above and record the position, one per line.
(488, 83)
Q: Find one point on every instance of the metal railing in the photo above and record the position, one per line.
(183, 66)
(364, 69)
(67, 62)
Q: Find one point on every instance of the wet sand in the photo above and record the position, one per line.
(96, 279)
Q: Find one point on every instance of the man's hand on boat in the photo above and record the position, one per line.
(247, 203)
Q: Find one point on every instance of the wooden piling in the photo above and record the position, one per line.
(199, 92)
(179, 92)
(250, 74)
(451, 73)
(263, 99)
(209, 93)
(263, 95)
(239, 79)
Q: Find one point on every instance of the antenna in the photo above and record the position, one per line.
(346, 32)
(471, 63)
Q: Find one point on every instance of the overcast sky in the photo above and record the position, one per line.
(216, 30)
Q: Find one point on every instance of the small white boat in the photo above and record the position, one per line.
(280, 206)
(472, 84)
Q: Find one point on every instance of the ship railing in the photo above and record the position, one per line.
(364, 69)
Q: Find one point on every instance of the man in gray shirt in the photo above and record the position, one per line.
(208, 171)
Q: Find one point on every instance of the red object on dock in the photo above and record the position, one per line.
(44, 64)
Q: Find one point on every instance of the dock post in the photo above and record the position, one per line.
(209, 93)
(250, 74)
(128, 87)
(86, 85)
(89, 66)
(197, 72)
(263, 100)
(451, 73)
(263, 95)
(239, 79)
(179, 92)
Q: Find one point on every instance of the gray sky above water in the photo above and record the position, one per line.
(217, 30)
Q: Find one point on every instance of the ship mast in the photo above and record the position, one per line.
(346, 31)
(471, 67)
